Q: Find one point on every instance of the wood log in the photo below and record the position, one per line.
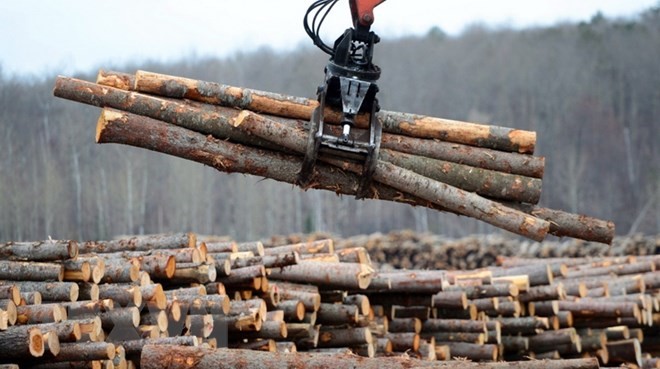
(109, 132)
(31, 298)
(361, 301)
(344, 337)
(493, 290)
(140, 243)
(337, 314)
(269, 330)
(453, 325)
(134, 348)
(449, 197)
(88, 291)
(474, 352)
(66, 331)
(484, 182)
(405, 325)
(450, 300)
(77, 271)
(294, 310)
(39, 251)
(179, 357)
(194, 273)
(327, 275)
(499, 138)
(37, 314)
(83, 351)
(11, 291)
(50, 291)
(268, 261)
(121, 294)
(550, 339)
(313, 247)
(21, 342)
(30, 271)
(120, 273)
(402, 342)
(154, 296)
(256, 247)
(469, 337)
(625, 351)
(414, 281)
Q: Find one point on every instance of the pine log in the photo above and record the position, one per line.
(140, 243)
(84, 351)
(405, 325)
(313, 247)
(446, 196)
(327, 275)
(256, 247)
(529, 325)
(181, 357)
(499, 138)
(269, 330)
(194, 273)
(121, 294)
(468, 337)
(112, 127)
(453, 325)
(413, 281)
(337, 314)
(488, 183)
(31, 298)
(39, 251)
(493, 290)
(66, 331)
(471, 351)
(77, 271)
(30, 271)
(550, 339)
(361, 301)
(402, 342)
(268, 261)
(408, 181)
(344, 337)
(134, 348)
(294, 310)
(50, 291)
(21, 342)
(38, 314)
(11, 292)
(10, 314)
(154, 296)
(120, 273)
(88, 291)
(626, 351)
(543, 293)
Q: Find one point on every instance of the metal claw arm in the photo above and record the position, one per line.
(363, 11)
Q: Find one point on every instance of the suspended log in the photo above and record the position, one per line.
(499, 138)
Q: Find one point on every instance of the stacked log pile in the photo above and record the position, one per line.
(170, 300)
(480, 171)
(411, 250)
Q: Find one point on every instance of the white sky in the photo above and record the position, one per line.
(40, 37)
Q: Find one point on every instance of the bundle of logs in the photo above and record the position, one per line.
(485, 172)
(407, 249)
(182, 301)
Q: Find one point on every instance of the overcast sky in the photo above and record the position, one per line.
(40, 37)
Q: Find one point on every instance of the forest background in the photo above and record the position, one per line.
(591, 90)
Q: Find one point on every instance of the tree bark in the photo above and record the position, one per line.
(50, 291)
(39, 251)
(499, 138)
(488, 183)
(351, 276)
(21, 342)
(180, 357)
(140, 243)
(525, 165)
(30, 271)
(446, 196)
(126, 129)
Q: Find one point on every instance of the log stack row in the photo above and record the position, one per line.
(161, 301)
(485, 172)
(411, 250)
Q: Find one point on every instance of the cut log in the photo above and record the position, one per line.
(39, 251)
(50, 291)
(180, 357)
(140, 243)
(449, 197)
(21, 342)
(30, 271)
(499, 138)
(350, 276)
